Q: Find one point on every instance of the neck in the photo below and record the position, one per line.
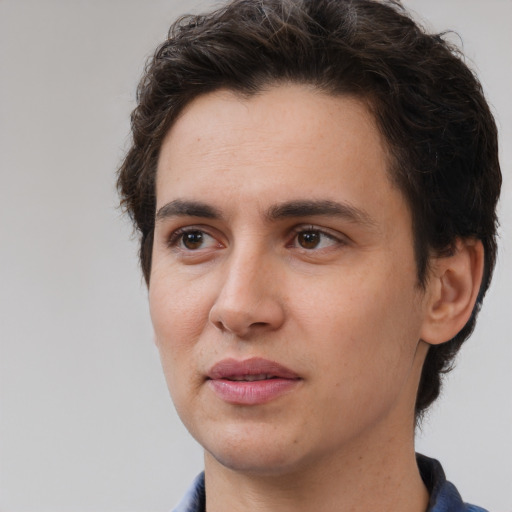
(356, 481)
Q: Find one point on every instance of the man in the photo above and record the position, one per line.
(315, 185)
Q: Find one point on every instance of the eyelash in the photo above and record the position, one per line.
(176, 237)
(335, 239)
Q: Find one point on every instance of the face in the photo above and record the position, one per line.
(283, 289)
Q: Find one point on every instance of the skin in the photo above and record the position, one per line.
(332, 296)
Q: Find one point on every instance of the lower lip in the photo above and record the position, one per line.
(253, 392)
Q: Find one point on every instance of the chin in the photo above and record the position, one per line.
(254, 454)
(256, 463)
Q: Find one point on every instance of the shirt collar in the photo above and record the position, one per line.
(444, 497)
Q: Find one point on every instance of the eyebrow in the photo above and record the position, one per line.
(182, 208)
(320, 207)
(290, 209)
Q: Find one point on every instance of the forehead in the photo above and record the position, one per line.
(302, 109)
(281, 144)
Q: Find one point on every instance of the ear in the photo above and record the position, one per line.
(452, 290)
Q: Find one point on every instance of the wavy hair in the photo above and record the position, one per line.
(428, 105)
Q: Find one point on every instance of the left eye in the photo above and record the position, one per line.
(314, 239)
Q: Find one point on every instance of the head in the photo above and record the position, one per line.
(427, 104)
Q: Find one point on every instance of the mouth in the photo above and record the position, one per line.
(252, 378)
(252, 381)
(250, 370)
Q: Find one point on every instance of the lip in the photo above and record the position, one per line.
(226, 379)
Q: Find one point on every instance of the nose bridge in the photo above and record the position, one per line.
(248, 297)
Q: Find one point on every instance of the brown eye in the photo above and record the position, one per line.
(309, 239)
(192, 239)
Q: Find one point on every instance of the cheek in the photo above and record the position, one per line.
(365, 327)
(176, 322)
(178, 307)
(178, 316)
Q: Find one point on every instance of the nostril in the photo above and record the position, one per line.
(259, 324)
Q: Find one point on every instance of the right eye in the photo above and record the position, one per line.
(192, 240)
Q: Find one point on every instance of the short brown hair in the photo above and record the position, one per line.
(428, 105)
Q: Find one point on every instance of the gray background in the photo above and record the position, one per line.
(85, 420)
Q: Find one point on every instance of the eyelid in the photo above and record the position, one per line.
(337, 237)
(173, 240)
(174, 237)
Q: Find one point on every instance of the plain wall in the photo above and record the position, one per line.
(86, 423)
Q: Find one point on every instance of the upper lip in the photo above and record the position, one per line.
(233, 368)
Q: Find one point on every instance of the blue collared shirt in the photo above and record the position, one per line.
(444, 497)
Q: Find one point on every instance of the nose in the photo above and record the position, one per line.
(249, 299)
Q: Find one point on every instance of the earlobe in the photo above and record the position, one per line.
(452, 290)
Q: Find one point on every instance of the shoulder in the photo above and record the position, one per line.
(444, 496)
(194, 498)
